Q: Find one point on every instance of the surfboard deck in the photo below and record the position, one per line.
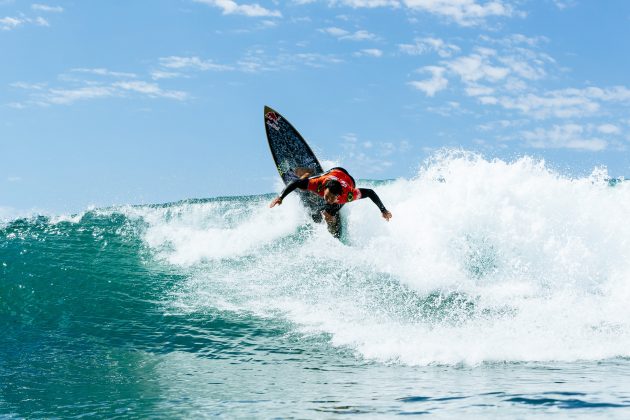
(291, 151)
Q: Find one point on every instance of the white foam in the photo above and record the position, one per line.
(528, 264)
(194, 233)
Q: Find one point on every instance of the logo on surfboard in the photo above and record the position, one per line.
(272, 120)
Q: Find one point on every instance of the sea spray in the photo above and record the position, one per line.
(483, 261)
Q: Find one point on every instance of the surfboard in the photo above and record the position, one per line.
(291, 151)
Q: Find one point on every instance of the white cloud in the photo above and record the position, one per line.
(436, 83)
(14, 178)
(8, 23)
(28, 86)
(566, 103)
(476, 67)
(523, 68)
(46, 8)
(68, 96)
(608, 129)
(568, 136)
(564, 4)
(150, 89)
(515, 40)
(82, 89)
(369, 4)
(463, 12)
(230, 7)
(370, 52)
(501, 76)
(479, 90)
(315, 59)
(40, 21)
(360, 35)
(426, 45)
(161, 74)
(334, 31)
(369, 156)
(258, 60)
(104, 72)
(195, 63)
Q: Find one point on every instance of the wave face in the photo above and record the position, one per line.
(483, 261)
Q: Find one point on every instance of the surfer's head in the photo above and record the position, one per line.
(332, 191)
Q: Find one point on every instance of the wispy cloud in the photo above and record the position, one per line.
(564, 4)
(567, 136)
(371, 156)
(46, 8)
(462, 12)
(564, 103)
(104, 72)
(61, 96)
(609, 129)
(254, 60)
(28, 86)
(360, 35)
(426, 45)
(370, 4)
(112, 84)
(230, 7)
(369, 52)
(314, 59)
(477, 67)
(161, 74)
(194, 63)
(20, 19)
(152, 90)
(9, 23)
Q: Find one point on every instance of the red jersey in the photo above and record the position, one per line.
(349, 193)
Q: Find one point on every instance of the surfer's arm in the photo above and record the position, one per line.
(298, 183)
(367, 192)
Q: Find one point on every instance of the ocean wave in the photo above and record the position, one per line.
(483, 261)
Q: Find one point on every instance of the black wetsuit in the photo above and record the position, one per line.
(332, 209)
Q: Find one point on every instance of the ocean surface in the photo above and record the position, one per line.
(498, 290)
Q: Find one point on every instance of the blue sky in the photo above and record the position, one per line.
(105, 102)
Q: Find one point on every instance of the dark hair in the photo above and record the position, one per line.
(334, 186)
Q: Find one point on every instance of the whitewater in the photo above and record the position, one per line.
(497, 289)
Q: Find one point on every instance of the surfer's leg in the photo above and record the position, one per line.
(331, 215)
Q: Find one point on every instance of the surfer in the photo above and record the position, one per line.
(336, 186)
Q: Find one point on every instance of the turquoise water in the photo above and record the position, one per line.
(498, 290)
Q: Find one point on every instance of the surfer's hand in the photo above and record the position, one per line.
(386, 215)
(275, 201)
